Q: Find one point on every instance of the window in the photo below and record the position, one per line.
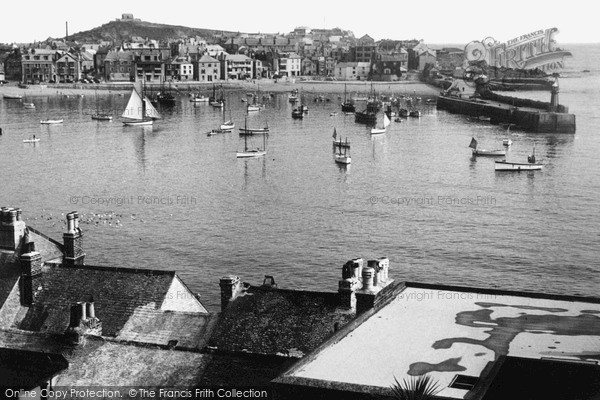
(465, 382)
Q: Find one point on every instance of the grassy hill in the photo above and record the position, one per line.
(118, 31)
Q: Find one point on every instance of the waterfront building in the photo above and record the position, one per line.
(119, 66)
(38, 65)
(68, 69)
(215, 50)
(350, 71)
(289, 64)
(390, 67)
(309, 67)
(180, 68)
(150, 64)
(236, 66)
(426, 57)
(209, 69)
(364, 50)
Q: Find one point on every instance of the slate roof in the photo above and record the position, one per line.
(117, 293)
(278, 322)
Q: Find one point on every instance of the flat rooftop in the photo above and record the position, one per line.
(444, 332)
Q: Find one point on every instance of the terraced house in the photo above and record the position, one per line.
(38, 65)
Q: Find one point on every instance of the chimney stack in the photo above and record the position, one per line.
(230, 288)
(350, 282)
(12, 229)
(73, 241)
(374, 279)
(82, 322)
(31, 267)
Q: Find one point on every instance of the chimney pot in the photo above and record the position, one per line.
(367, 277)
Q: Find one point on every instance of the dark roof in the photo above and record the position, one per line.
(9, 274)
(533, 379)
(242, 370)
(183, 330)
(117, 293)
(278, 322)
(26, 369)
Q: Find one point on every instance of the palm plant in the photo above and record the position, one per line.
(421, 387)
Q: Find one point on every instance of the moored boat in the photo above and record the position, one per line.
(530, 165)
(139, 111)
(51, 121)
(484, 152)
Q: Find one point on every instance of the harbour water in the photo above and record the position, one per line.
(414, 194)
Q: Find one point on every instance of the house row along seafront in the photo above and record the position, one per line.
(66, 325)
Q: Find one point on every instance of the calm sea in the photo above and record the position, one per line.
(184, 202)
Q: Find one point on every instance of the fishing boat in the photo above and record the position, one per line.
(165, 97)
(247, 153)
(530, 165)
(381, 128)
(414, 113)
(507, 142)
(251, 131)
(254, 106)
(297, 113)
(199, 99)
(29, 105)
(51, 121)
(217, 102)
(485, 152)
(347, 105)
(12, 96)
(31, 140)
(139, 111)
(342, 155)
(227, 125)
(339, 142)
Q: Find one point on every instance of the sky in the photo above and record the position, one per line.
(434, 21)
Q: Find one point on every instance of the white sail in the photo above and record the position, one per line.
(134, 107)
(386, 120)
(151, 112)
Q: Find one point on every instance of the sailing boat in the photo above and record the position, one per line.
(250, 131)
(339, 143)
(484, 152)
(343, 157)
(252, 152)
(225, 127)
(220, 102)
(139, 110)
(347, 105)
(101, 116)
(254, 106)
(383, 126)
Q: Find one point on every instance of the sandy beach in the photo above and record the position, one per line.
(263, 85)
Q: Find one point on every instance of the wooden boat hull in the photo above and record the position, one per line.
(510, 166)
(342, 159)
(377, 131)
(12, 97)
(31, 140)
(138, 123)
(244, 131)
(253, 108)
(489, 153)
(251, 153)
(29, 105)
(51, 121)
(199, 100)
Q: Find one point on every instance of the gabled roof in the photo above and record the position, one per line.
(207, 59)
(278, 322)
(117, 292)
